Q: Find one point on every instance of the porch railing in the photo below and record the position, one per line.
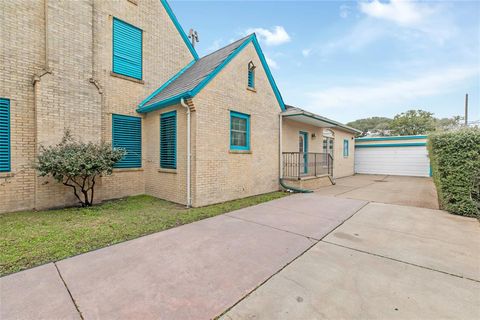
(297, 165)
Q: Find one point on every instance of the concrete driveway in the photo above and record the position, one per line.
(407, 191)
(386, 262)
(306, 256)
(195, 271)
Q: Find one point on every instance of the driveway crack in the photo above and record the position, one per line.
(69, 293)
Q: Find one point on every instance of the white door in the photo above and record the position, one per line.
(402, 161)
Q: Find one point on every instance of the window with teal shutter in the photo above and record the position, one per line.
(127, 49)
(345, 148)
(168, 140)
(127, 134)
(4, 135)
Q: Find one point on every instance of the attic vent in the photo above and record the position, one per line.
(251, 75)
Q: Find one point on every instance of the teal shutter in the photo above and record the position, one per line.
(127, 134)
(251, 78)
(4, 135)
(168, 140)
(127, 49)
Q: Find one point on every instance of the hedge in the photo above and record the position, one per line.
(455, 161)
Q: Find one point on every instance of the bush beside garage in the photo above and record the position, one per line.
(455, 161)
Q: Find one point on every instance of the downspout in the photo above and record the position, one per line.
(189, 199)
(280, 138)
(282, 183)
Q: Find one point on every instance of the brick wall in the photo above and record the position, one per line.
(79, 38)
(221, 174)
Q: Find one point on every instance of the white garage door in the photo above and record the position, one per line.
(402, 161)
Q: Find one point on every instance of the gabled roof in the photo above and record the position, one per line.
(301, 115)
(197, 74)
(179, 28)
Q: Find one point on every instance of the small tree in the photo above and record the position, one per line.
(77, 164)
(413, 122)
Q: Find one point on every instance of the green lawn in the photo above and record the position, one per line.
(31, 238)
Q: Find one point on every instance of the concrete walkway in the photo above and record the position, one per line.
(385, 262)
(195, 271)
(306, 256)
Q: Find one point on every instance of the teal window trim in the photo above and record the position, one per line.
(5, 135)
(127, 134)
(168, 140)
(346, 146)
(251, 78)
(246, 117)
(117, 57)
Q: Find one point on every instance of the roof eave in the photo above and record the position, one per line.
(163, 86)
(165, 103)
(312, 115)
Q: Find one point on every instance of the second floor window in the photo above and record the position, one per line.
(127, 49)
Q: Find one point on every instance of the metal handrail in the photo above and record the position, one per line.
(306, 164)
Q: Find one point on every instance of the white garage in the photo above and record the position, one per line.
(403, 156)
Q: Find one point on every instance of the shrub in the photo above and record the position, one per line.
(77, 164)
(455, 159)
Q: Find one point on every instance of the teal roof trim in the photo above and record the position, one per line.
(268, 72)
(165, 85)
(385, 145)
(201, 85)
(179, 28)
(212, 75)
(165, 103)
(391, 138)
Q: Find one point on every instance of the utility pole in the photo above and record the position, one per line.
(466, 109)
(193, 36)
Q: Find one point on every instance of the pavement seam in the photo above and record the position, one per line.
(68, 290)
(338, 194)
(275, 228)
(293, 260)
(401, 261)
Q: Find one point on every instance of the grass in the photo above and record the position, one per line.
(31, 238)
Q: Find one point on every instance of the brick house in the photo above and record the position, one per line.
(124, 72)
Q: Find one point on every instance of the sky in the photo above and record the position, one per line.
(348, 60)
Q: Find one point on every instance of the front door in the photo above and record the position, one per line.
(303, 149)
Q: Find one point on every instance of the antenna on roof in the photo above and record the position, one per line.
(193, 36)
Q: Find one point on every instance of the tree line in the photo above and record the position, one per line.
(411, 122)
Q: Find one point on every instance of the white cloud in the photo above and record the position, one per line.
(403, 12)
(389, 92)
(306, 52)
(361, 35)
(271, 63)
(278, 35)
(427, 18)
